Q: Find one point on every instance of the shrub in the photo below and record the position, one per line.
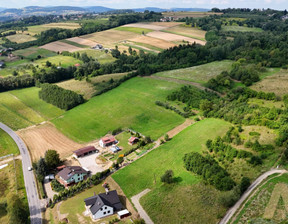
(56, 186)
(167, 177)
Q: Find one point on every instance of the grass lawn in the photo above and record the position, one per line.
(74, 43)
(241, 29)
(8, 184)
(132, 105)
(7, 145)
(33, 30)
(101, 56)
(33, 52)
(123, 143)
(20, 38)
(134, 29)
(23, 108)
(169, 156)
(63, 61)
(201, 73)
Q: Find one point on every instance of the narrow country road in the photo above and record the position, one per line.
(30, 184)
(255, 184)
(135, 200)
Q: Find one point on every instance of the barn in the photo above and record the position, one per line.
(85, 151)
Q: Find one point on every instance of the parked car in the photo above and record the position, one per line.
(29, 168)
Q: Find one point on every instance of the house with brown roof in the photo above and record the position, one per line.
(103, 204)
(71, 175)
(107, 141)
(85, 151)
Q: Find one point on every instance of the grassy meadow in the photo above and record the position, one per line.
(101, 56)
(187, 32)
(241, 29)
(33, 30)
(132, 105)
(137, 30)
(200, 74)
(8, 184)
(59, 60)
(7, 145)
(20, 38)
(22, 108)
(33, 52)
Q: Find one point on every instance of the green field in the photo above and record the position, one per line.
(33, 30)
(143, 173)
(255, 208)
(7, 145)
(59, 60)
(33, 52)
(134, 29)
(241, 29)
(101, 56)
(74, 43)
(22, 108)
(130, 105)
(200, 74)
(266, 103)
(20, 38)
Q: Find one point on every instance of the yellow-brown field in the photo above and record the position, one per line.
(58, 46)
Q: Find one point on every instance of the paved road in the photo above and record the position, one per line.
(255, 184)
(30, 184)
(135, 200)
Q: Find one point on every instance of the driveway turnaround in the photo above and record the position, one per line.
(135, 200)
(90, 163)
(258, 181)
(30, 184)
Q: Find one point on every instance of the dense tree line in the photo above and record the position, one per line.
(209, 169)
(187, 113)
(11, 82)
(62, 98)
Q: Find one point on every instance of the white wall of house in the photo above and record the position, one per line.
(102, 212)
(101, 143)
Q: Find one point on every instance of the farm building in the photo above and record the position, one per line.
(85, 151)
(122, 214)
(133, 140)
(107, 141)
(103, 204)
(71, 175)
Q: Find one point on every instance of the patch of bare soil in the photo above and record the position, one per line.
(82, 41)
(46, 136)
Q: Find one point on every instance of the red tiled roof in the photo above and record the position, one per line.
(132, 139)
(108, 139)
(77, 65)
(86, 149)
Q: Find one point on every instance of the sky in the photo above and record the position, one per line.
(121, 4)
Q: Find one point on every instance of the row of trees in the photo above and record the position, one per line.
(59, 97)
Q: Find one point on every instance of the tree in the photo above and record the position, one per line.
(18, 212)
(41, 167)
(48, 64)
(167, 177)
(52, 159)
(15, 73)
(245, 183)
(166, 137)
(120, 160)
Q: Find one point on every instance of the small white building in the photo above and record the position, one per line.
(103, 205)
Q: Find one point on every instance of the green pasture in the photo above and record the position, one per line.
(132, 105)
(101, 56)
(134, 29)
(33, 52)
(7, 145)
(59, 60)
(241, 29)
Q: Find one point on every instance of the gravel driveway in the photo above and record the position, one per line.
(90, 163)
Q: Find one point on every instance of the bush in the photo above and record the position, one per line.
(245, 183)
(56, 186)
(167, 177)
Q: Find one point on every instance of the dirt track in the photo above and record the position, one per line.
(44, 137)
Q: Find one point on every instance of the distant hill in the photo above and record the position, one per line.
(189, 9)
(98, 9)
(1, 9)
(155, 9)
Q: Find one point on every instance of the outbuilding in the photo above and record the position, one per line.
(123, 213)
(85, 151)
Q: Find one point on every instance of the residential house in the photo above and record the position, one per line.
(107, 141)
(71, 175)
(133, 140)
(103, 204)
(85, 151)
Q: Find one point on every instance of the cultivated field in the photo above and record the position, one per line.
(132, 105)
(33, 30)
(20, 38)
(241, 29)
(59, 46)
(169, 156)
(276, 83)
(269, 202)
(23, 108)
(87, 89)
(33, 52)
(7, 145)
(109, 38)
(134, 29)
(187, 31)
(174, 37)
(159, 43)
(43, 137)
(148, 26)
(82, 41)
(200, 74)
